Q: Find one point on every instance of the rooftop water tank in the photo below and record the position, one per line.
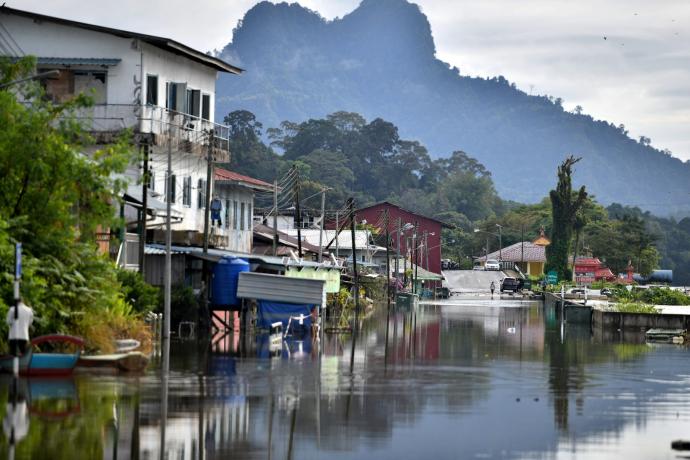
(226, 274)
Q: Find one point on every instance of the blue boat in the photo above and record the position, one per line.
(46, 364)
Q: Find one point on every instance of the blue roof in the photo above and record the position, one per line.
(78, 61)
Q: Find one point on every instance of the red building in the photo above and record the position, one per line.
(590, 269)
(428, 231)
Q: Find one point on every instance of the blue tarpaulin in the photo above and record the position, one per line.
(272, 312)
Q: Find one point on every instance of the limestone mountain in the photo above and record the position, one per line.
(380, 61)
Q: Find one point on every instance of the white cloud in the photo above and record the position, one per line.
(639, 75)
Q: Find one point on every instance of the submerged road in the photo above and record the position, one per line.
(472, 280)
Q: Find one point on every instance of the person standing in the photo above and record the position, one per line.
(216, 207)
(19, 324)
(493, 288)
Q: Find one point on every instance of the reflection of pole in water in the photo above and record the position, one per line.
(165, 370)
(270, 428)
(292, 431)
(200, 416)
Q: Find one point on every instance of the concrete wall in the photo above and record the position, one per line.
(639, 321)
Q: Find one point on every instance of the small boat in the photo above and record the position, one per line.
(133, 361)
(46, 364)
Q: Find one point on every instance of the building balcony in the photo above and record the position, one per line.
(154, 124)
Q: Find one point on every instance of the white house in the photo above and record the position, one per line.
(164, 92)
(365, 249)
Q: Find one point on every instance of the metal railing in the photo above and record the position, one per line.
(149, 119)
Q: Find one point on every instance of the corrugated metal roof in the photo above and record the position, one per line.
(148, 250)
(278, 288)
(311, 236)
(217, 254)
(159, 42)
(78, 61)
(513, 253)
(225, 175)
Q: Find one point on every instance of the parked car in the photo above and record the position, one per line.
(606, 292)
(492, 264)
(443, 293)
(478, 267)
(510, 285)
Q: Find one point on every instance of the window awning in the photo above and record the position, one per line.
(76, 61)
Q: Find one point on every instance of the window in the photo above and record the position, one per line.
(193, 102)
(170, 193)
(206, 107)
(70, 83)
(152, 180)
(176, 96)
(201, 194)
(242, 217)
(152, 90)
(187, 191)
(227, 213)
(250, 217)
(234, 215)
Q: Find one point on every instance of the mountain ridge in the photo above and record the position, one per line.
(379, 60)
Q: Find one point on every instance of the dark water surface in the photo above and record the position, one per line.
(466, 378)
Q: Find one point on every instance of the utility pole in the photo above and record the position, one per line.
(298, 216)
(500, 243)
(207, 198)
(323, 217)
(337, 229)
(426, 248)
(144, 209)
(415, 242)
(522, 248)
(355, 278)
(17, 300)
(388, 261)
(397, 255)
(168, 242)
(275, 217)
(407, 252)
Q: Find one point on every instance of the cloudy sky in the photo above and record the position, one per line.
(639, 75)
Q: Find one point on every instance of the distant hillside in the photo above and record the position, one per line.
(380, 61)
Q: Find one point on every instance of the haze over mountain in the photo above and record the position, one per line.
(380, 61)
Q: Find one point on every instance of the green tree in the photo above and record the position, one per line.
(248, 155)
(564, 207)
(55, 192)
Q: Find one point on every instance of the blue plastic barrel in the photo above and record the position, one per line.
(225, 276)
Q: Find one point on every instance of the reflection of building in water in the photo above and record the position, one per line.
(212, 421)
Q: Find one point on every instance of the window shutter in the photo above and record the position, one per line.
(195, 109)
(206, 106)
(180, 97)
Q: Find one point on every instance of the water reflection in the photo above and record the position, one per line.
(460, 379)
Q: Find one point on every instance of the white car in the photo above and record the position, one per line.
(492, 264)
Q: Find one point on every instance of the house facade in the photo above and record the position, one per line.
(164, 93)
(428, 233)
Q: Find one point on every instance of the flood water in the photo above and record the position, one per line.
(466, 378)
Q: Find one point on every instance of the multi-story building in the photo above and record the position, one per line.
(164, 93)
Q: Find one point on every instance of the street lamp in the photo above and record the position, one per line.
(477, 230)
